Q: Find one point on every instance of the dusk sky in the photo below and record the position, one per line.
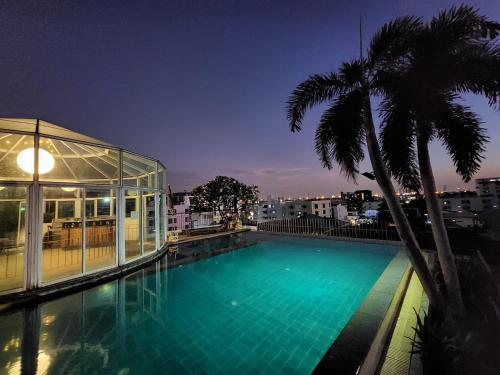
(200, 85)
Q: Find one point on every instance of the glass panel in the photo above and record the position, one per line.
(161, 177)
(148, 221)
(12, 238)
(62, 232)
(46, 128)
(74, 162)
(15, 152)
(132, 224)
(100, 229)
(18, 124)
(162, 219)
(138, 171)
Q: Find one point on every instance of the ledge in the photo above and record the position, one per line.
(14, 300)
(334, 238)
(350, 349)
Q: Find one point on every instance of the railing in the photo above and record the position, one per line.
(184, 221)
(331, 228)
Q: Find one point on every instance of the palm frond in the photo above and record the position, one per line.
(393, 41)
(398, 142)
(316, 89)
(463, 22)
(459, 129)
(476, 69)
(352, 73)
(340, 135)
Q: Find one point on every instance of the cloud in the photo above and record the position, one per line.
(267, 172)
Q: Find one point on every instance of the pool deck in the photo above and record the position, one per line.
(370, 325)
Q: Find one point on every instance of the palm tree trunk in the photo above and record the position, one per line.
(445, 255)
(398, 215)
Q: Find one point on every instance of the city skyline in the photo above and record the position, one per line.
(210, 80)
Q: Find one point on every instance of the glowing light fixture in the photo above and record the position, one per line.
(26, 161)
(68, 189)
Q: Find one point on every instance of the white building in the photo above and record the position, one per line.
(489, 189)
(339, 212)
(461, 219)
(299, 208)
(321, 207)
(272, 209)
(180, 218)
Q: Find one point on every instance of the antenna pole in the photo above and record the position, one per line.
(360, 37)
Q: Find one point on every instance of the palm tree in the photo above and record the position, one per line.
(345, 126)
(421, 78)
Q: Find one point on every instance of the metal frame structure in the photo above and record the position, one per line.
(34, 197)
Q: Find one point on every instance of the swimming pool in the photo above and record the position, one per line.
(272, 307)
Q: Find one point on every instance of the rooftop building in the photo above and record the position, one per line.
(72, 205)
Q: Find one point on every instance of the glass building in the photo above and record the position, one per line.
(72, 205)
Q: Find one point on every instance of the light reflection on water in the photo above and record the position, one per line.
(269, 305)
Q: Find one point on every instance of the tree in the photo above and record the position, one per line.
(224, 195)
(345, 126)
(420, 76)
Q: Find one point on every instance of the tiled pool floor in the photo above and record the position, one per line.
(274, 307)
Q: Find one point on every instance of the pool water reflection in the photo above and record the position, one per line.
(274, 307)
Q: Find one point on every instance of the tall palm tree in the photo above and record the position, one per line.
(345, 126)
(421, 79)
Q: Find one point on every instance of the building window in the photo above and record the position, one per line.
(66, 209)
(130, 204)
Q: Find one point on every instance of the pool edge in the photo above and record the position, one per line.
(369, 323)
(14, 301)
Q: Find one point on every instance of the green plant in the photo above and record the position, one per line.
(437, 350)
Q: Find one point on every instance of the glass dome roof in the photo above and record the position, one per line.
(69, 156)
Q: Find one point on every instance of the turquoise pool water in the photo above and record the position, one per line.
(274, 307)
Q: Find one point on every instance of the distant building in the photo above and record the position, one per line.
(352, 216)
(181, 217)
(270, 209)
(463, 201)
(182, 203)
(461, 220)
(363, 195)
(485, 198)
(321, 207)
(372, 205)
(347, 196)
(339, 212)
(489, 189)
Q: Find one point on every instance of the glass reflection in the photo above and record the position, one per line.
(12, 236)
(132, 224)
(100, 229)
(148, 221)
(62, 232)
(86, 332)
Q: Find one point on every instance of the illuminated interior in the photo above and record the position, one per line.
(93, 205)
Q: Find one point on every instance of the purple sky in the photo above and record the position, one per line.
(200, 85)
